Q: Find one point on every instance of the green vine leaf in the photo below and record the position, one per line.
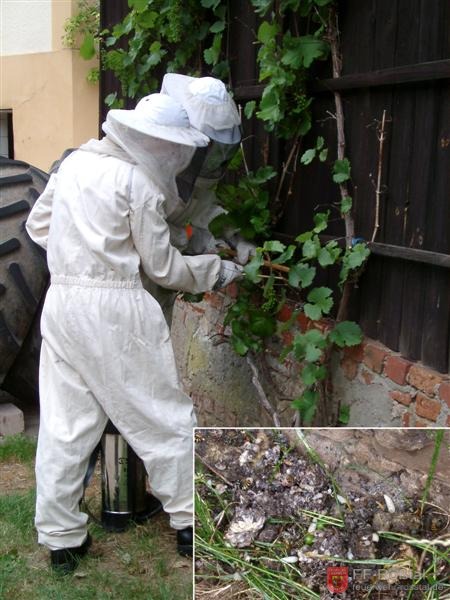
(253, 267)
(269, 106)
(306, 405)
(312, 373)
(147, 19)
(87, 48)
(217, 27)
(267, 32)
(210, 3)
(346, 205)
(239, 346)
(311, 248)
(302, 51)
(262, 325)
(262, 6)
(319, 302)
(323, 155)
(249, 109)
(353, 258)
(301, 275)
(211, 55)
(274, 246)
(286, 255)
(341, 170)
(325, 257)
(308, 346)
(308, 156)
(321, 221)
(138, 5)
(346, 333)
(344, 415)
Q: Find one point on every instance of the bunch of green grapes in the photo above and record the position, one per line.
(174, 26)
(271, 302)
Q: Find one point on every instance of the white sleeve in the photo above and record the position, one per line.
(38, 222)
(163, 263)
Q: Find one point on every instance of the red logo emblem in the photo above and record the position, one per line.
(337, 579)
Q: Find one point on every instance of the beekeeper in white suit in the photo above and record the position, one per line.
(106, 349)
(211, 110)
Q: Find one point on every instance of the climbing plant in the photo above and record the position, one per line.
(292, 36)
(82, 31)
(181, 35)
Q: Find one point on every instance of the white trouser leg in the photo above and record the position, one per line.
(120, 343)
(71, 425)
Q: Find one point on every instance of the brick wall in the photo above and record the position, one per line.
(419, 395)
(380, 386)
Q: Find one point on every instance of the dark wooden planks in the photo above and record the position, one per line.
(398, 196)
(373, 285)
(436, 325)
(400, 48)
(413, 73)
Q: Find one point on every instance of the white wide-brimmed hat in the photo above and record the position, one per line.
(160, 116)
(209, 106)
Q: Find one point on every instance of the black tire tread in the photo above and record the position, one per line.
(23, 272)
(14, 208)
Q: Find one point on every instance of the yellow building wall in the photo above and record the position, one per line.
(53, 105)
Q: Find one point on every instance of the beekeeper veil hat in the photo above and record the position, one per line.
(209, 106)
(157, 136)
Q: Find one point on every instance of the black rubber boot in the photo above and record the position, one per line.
(184, 541)
(65, 560)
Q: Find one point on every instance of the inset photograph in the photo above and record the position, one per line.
(315, 513)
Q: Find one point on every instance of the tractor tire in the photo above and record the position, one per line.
(23, 278)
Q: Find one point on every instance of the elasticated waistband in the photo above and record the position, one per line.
(100, 283)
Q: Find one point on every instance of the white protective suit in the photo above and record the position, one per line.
(106, 349)
(212, 111)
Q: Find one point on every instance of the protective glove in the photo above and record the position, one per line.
(229, 271)
(243, 248)
(201, 242)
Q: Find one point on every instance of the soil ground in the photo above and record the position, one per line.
(140, 563)
(285, 512)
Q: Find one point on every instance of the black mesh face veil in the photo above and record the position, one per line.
(207, 163)
(186, 179)
(217, 159)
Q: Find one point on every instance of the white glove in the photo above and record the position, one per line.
(229, 271)
(243, 248)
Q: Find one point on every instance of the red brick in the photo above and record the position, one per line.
(374, 356)
(232, 290)
(444, 392)
(323, 326)
(355, 352)
(448, 421)
(396, 368)
(367, 376)
(420, 423)
(424, 379)
(406, 420)
(402, 397)
(194, 306)
(427, 407)
(287, 337)
(285, 313)
(303, 321)
(350, 368)
(215, 300)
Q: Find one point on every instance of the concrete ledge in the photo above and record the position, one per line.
(11, 419)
